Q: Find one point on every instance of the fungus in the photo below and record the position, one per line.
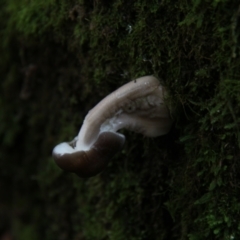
(137, 106)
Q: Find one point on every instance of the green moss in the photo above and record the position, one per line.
(59, 58)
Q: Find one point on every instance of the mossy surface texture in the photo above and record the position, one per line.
(59, 58)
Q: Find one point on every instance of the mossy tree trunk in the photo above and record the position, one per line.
(59, 58)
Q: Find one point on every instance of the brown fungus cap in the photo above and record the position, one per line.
(89, 163)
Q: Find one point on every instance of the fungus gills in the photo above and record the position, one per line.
(137, 106)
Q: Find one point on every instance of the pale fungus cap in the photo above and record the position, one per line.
(137, 106)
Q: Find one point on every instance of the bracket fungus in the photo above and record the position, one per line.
(137, 106)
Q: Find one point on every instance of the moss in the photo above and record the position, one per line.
(59, 58)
